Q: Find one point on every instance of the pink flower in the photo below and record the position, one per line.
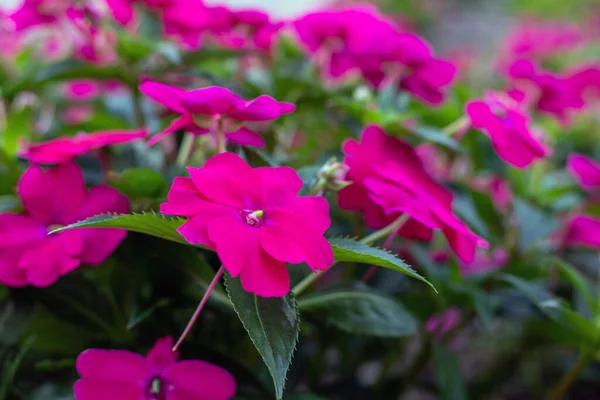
(585, 170)
(51, 199)
(65, 149)
(123, 10)
(81, 90)
(582, 231)
(73, 115)
(485, 260)
(496, 187)
(37, 12)
(509, 129)
(547, 92)
(214, 109)
(362, 40)
(254, 220)
(389, 179)
(442, 323)
(124, 375)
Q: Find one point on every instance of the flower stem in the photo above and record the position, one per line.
(456, 126)
(196, 314)
(394, 226)
(221, 143)
(561, 389)
(383, 232)
(185, 149)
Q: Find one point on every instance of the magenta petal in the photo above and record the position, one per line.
(195, 230)
(112, 365)
(584, 169)
(246, 137)
(10, 273)
(41, 261)
(275, 241)
(234, 241)
(315, 248)
(314, 209)
(199, 380)
(54, 195)
(88, 389)
(167, 95)
(583, 230)
(265, 276)
(161, 355)
(121, 10)
(210, 101)
(179, 123)
(263, 108)
(280, 185)
(18, 229)
(286, 108)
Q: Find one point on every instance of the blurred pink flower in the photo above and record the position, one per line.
(81, 90)
(497, 187)
(360, 39)
(37, 12)
(508, 127)
(542, 39)
(121, 374)
(485, 260)
(73, 115)
(582, 231)
(389, 179)
(547, 92)
(442, 323)
(53, 198)
(215, 108)
(585, 170)
(65, 149)
(254, 220)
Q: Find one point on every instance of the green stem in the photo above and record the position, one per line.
(185, 149)
(306, 282)
(384, 232)
(561, 389)
(221, 143)
(454, 127)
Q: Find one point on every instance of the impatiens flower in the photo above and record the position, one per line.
(442, 323)
(585, 170)
(124, 375)
(53, 198)
(389, 180)
(65, 149)
(582, 231)
(360, 39)
(547, 92)
(509, 129)
(217, 110)
(254, 220)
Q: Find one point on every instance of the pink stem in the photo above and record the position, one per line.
(192, 321)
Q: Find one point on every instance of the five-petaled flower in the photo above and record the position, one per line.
(53, 198)
(254, 219)
(217, 110)
(124, 375)
(65, 149)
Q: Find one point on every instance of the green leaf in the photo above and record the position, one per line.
(580, 283)
(584, 328)
(350, 250)
(449, 378)
(436, 136)
(154, 224)
(534, 224)
(18, 125)
(487, 212)
(360, 311)
(139, 183)
(272, 324)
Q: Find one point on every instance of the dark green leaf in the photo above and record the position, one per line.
(155, 224)
(534, 224)
(487, 212)
(360, 311)
(581, 284)
(350, 250)
(272, 324)
(449, 378)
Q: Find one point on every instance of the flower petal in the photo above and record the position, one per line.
(178, 123)
(52, 196)
(234, 241)
(265, 276)
(112, 366)
(18, 229)
(199, 380)
(10, 273)
(88, 389)
(167, 95)
(280, 185)
(585, 170)
(211, 100)
(263, 108)
(246, 137)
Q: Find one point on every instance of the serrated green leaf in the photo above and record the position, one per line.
(360, 311)
(272, 324)
(155, 224)
(139, 183)
(350, 250)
